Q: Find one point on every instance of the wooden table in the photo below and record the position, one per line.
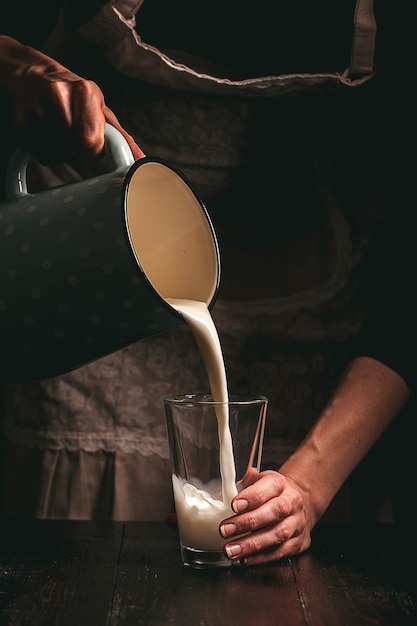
(97, 574)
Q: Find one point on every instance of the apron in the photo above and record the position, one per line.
(289, 301)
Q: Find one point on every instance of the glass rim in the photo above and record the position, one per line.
(206, 399)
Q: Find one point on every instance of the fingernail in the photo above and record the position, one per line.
(240, 505)
(226, 530)
(233, 550)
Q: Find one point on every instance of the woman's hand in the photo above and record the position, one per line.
(276, 512)
(279, 509)
(56, 114)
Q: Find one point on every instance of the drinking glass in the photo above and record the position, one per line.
(215, 448)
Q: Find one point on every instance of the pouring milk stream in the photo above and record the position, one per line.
(195, 506)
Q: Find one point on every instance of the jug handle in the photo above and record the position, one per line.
(118, 153)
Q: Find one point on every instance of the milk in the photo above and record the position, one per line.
(198, 513)
(199, 516)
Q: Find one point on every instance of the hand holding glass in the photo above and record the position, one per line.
(212, 446)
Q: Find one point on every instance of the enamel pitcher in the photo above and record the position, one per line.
(86, 268)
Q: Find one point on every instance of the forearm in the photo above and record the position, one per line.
(367, 400)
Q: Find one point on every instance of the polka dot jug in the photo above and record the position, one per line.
(86, 268)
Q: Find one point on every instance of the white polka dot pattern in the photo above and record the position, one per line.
(71, 290)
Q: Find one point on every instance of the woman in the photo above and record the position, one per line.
(304, 320)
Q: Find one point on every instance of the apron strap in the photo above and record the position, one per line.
(363, 43)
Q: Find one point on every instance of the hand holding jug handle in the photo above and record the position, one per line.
(117, 150)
